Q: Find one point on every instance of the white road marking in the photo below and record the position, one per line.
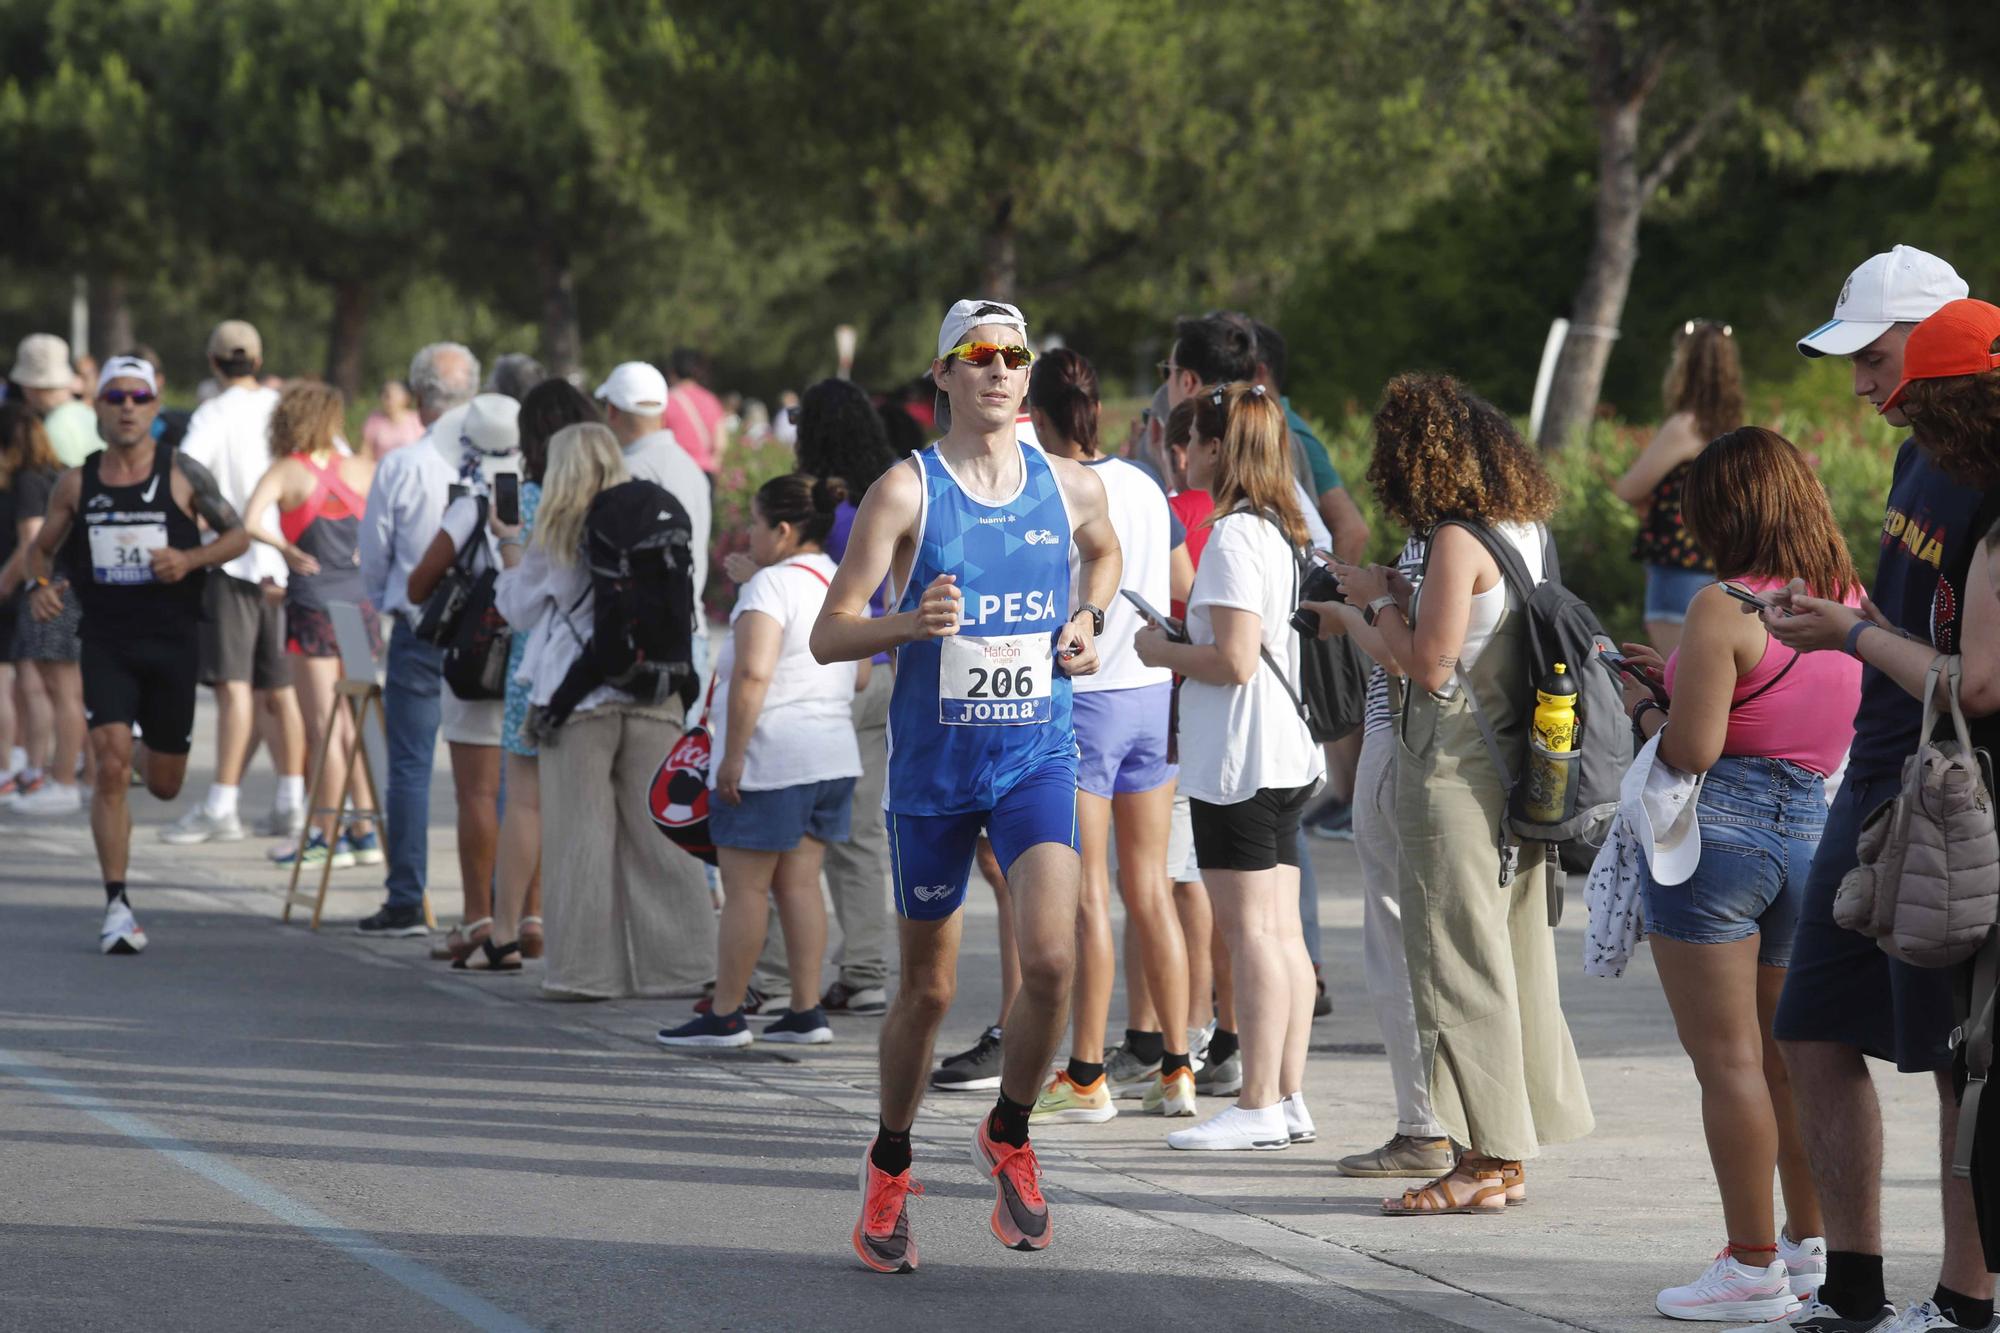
(404, 1271)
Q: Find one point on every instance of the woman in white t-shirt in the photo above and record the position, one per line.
(1504, 1077)
(1248, 760)
(785, 760)
(1121, 714)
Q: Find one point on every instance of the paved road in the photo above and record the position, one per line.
(254, 1126)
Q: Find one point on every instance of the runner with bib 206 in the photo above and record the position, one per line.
(983, 537)
(127, 517)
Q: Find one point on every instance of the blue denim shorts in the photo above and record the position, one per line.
(1760, 825)
(1669, 590)
(775, 820)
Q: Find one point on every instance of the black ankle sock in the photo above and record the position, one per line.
(1221, 1046)
(1147, 1046)
(114, 889)
(1962, 1309)
(891, 1152)
(1009, 1122)
(1084, 1075)
(1853, 1284)
(1169, 1062)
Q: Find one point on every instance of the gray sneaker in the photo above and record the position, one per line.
(1129, 1077)
(1221, 1080)
(1400, 1156)
(282, 822)
(198, 826)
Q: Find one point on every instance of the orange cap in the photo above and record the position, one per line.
(1957, 340)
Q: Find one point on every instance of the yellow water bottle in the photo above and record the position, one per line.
(1551, 753)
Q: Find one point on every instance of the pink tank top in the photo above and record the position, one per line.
(1806, 715)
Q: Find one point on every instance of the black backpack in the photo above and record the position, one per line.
(1332, 697)
(1561, 628)
(638, 544)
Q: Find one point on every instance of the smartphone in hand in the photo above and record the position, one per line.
(1619, 662)
(1745, 595)
(1153, 615)
(507, 498)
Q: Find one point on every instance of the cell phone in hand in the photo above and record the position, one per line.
(507, 498)
(1745, 595)
(1153, 615)
(1620, 662)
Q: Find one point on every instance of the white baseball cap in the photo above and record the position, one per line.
(492, 424)
(634, 386)
(1904, 286)
(1658, 802)
(128, 368)
(965, 316)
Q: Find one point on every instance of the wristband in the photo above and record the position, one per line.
(1854, 638)
(1645, 706)
(514, 542)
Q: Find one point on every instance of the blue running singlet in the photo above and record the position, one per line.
(973, 714)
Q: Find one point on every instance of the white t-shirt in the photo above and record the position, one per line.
(805, 731)
(230, 435)
(1238, 739)
(1140, 517)
(659, 458)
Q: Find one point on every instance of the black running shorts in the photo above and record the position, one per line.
(1254, 834)
(150, 681)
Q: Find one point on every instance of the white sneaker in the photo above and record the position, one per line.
(1730, 1290)
(1805, 1262)
(1298, 1120)
(283, 821)
(1235, 1129)
(120, 933)
(198, 826)
(1924, 1317)
(51, 798)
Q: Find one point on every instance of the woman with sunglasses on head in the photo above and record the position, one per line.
(1503, 1073)
(1121, 715)
(1703, 393)
(1248, 760)
(1764, 725)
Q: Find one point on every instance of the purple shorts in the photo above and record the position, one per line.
(1122, 738)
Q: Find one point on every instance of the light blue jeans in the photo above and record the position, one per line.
(411, 709)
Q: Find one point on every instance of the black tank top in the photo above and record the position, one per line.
(110, 550)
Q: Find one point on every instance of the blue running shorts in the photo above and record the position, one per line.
(930, 856)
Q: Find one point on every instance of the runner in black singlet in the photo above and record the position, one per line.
(125, 525)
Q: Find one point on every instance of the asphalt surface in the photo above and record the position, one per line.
(254, 1126)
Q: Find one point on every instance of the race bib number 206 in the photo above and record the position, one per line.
(995, 682)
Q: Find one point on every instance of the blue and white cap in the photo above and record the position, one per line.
(1904, 286)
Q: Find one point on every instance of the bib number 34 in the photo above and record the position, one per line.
(995, 682)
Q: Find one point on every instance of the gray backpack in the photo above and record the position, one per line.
(1561, 628)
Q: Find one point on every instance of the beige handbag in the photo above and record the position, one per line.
(1927, 888)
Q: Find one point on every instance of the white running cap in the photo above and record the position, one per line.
(1904, 286)
(128, 368)
(965, 316)
(635, 387)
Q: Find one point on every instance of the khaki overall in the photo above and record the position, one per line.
(1504, 1077)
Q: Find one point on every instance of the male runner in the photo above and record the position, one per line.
(976, 532)
(134, 553)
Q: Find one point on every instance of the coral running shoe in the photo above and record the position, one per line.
(882, 1237)
(1020, 1214)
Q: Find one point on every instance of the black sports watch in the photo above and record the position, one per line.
(1096, 617)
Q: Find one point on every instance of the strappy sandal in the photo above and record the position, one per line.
(1515, 1178)
(532, 940)
(1464, 1189)
(499, 958)
(463, 939)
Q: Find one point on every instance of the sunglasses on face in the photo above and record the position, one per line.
(1166, 369)
(982, 354)
(120, 397)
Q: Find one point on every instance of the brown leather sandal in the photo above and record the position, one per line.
(1515, 1178)
(1466, 1189)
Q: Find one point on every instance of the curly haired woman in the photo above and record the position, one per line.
(1504, 1076)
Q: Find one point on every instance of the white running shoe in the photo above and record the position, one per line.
(198, 826)
(1235, 1129)
(120, 932)
(1925, 1317)
(51, 798)
(1298, 1120)
(1730, 1290)
(1805, 1262)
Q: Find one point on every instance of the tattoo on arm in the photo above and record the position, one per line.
(217, 512)
(1448, 663)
